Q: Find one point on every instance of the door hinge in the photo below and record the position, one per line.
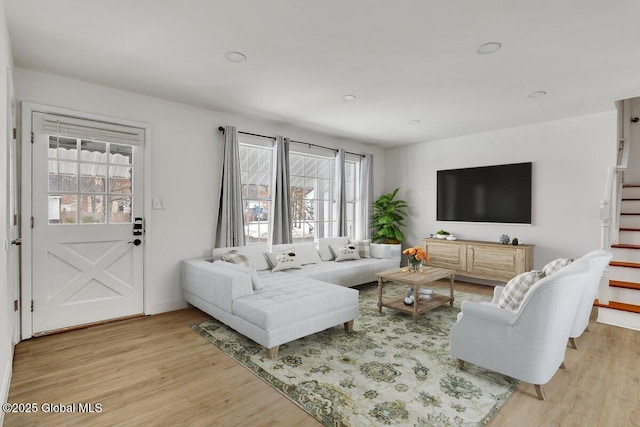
(15, 305)
(32, 306)
(15, 133)
(32, 137)
(15, 219)
(31, 222)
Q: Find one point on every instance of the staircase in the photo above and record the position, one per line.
(623, 308)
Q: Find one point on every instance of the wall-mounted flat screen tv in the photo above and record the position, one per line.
(500, 193)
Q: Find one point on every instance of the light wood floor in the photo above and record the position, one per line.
(157, 371)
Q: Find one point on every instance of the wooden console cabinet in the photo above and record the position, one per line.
(483, 260)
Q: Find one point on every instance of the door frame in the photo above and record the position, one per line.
(27, 110)
(13, 229)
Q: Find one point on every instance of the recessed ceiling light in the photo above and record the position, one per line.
(348, 97)
(537, 94)
(235, 56)
(490, 47)
(413, 122)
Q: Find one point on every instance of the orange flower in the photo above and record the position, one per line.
(416, 253)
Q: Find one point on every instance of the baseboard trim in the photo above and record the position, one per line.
(6, 384)
(163, 307)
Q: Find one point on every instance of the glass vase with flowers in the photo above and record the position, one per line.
(416, 257)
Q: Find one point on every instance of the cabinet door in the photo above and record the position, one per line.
(495, 262)
(447, 255)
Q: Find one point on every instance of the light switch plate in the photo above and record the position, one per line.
(157, 204)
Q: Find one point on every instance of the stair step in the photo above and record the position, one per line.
(624, 264)
(624, 271)
(625, 246)
(630, 204)
(629, 236)
(626, 285)
(626, 253)
(631, 308)
(630, 221)
(631, 191)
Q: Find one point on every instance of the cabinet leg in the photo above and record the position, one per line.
(451, 279)
(416, 300)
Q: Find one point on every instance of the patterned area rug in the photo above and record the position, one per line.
(388, 371)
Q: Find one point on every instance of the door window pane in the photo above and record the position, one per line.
(63, 176)
(63, 148)
(93, 178)
(120, 180)
(63, 208)
(92, 209)
(93, 151)
(120, 209)
(121, 154)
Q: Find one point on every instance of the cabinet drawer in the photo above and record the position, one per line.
(495, 263)
(447, 255)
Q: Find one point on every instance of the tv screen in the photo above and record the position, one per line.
(499, 193)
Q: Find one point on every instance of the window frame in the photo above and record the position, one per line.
(249, 142)
(321, 227)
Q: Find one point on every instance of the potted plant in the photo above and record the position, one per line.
(388, 213)
(442, 234)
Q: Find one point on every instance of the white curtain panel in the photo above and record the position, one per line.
(230, 227)
(281, 210)
(365, 198)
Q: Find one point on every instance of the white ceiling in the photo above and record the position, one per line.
(404, 59)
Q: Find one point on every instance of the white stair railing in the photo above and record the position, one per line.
(610, 204)
(608, 208)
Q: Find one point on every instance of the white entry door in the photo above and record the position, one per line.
(87, 264)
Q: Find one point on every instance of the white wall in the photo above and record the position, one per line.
(6, 295)
(570, 160)
(632, 174)
(186, 148)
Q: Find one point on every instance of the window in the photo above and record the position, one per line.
(89, 181)
(351, 173)
(256, 166)
(311, 194)
(311, 191)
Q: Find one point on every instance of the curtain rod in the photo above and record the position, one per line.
(221, 129)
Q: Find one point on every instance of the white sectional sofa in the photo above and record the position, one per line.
(274, 307)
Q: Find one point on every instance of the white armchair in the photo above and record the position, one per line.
(528, 344)
(597, 261)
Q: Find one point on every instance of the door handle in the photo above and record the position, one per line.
(136, 242)
(16, 242)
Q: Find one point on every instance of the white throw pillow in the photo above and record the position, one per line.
(364, 247)
(325, 243)
(556, 265)
(256, 281)
(285, 260)
(237, 257)
(307, 253)
(517, 288)
(345, 252)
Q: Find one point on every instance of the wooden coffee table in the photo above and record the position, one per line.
(415, 281)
